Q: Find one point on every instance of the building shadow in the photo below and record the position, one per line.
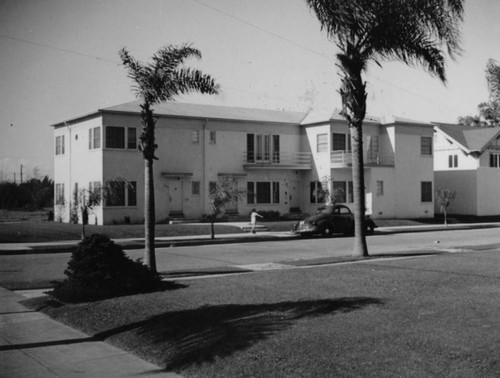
(202, 334)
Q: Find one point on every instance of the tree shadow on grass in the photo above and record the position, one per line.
(194, 336)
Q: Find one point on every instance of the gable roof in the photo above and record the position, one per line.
(472, 139)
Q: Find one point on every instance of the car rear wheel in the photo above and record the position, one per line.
(370, 229)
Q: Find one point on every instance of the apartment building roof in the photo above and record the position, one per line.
(472, 139)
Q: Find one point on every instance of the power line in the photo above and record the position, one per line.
(59, 49)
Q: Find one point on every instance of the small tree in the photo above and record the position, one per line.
(88, 199)
(223, 193)
(444, 198)
(331, 197)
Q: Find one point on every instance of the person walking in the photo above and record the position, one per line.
(253, 219)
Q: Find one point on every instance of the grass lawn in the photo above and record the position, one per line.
(433, 316)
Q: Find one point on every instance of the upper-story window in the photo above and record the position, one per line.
(341, 142)
(94, 138)
(322, 143)
(60, 145)
(495, 160)
(263, 148)
(115, 137)
(213, 136)
(452, 161)
(426, 145)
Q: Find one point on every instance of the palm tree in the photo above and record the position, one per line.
(413, 31)
(154, 83)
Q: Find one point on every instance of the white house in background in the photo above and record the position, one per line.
(467, 160)
(280, 158)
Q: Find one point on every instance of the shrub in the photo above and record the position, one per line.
(270, 215)
(99, 269)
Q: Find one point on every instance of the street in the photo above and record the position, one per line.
(48, 267)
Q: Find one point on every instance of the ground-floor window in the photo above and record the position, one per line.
(426, 191)
(263, 192)
(380, 188)
(316, 192)
(121, 193)
(60, 194)
(195, 188)
(339, 194)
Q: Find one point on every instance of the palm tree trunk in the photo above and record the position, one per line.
(149, 216)
(353, 93)
(358, 184)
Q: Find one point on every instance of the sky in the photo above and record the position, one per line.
(59, 59)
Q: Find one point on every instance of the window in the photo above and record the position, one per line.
(213, 137)
(350, 195)
(263, 192)
(115, 137)
(132, 193)
(380, 188)
(276, 149)
(341, 142)
(495, 160)
(60, 194)
(94, 138)
(95, 191)
(212, 187)
(339, 192)
(195, 188)
(426, 191)
(426, 145)
(316, 194)
(259, 148)
(115, 194)
(195, 136)
(276, 192)
(322, 143)
(452, 161)
(131, 138)
(60, 145)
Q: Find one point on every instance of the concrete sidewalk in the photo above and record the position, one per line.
(33, 345)
(193, 240)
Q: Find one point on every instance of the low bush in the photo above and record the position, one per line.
(99, 269)
(270, 215)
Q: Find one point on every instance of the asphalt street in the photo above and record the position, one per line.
(259, 255)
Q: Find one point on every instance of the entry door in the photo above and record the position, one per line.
(175, 197)
(232, 207)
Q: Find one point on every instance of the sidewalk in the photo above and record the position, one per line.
(193, 240)
(33, 345)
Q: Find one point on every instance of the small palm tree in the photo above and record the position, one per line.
(412, 31)
(160, 81)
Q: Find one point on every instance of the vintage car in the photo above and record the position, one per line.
(331, 219)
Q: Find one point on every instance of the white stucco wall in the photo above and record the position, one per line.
(465, 184)
(411, 169)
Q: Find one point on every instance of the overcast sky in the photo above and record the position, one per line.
(58, 60)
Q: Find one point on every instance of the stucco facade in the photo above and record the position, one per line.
(277, 157)
(467, 161)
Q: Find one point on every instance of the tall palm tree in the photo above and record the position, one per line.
(156, 82)
(419, 32)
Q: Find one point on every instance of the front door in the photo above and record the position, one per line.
(175, 197)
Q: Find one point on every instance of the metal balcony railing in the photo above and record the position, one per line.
(278, 159)
(341, 159)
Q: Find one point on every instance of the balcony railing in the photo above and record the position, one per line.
(342, 159)
(291, 160)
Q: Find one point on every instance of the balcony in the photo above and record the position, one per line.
(278, 160)
(342, 159)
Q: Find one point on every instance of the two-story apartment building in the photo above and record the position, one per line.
(280, 158)
(467, 160)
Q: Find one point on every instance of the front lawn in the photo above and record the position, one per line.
(392, 318)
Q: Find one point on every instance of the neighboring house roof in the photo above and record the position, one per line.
(472, 139)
